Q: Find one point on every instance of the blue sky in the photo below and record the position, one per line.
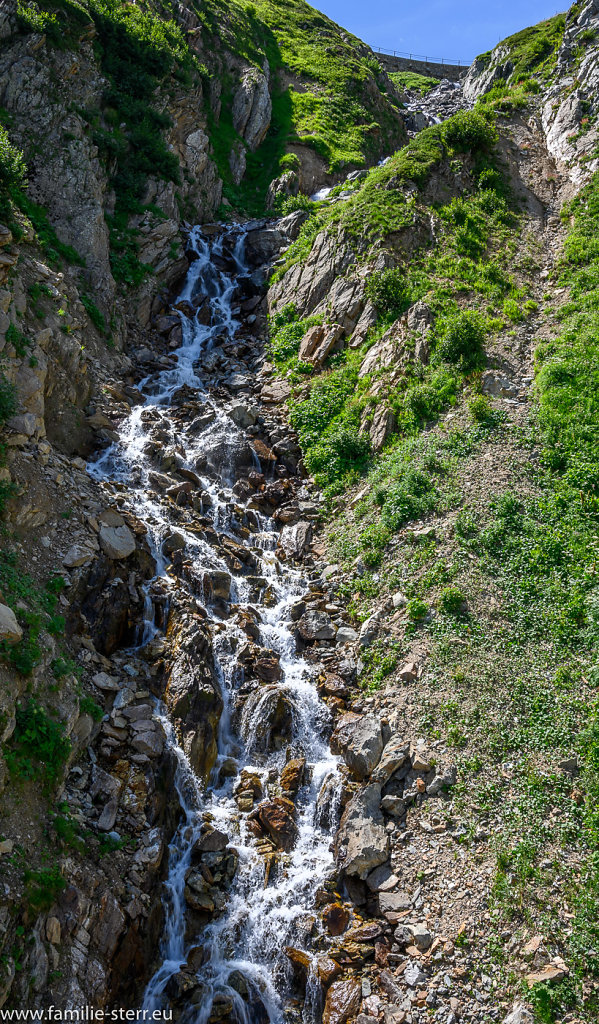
(458, 29)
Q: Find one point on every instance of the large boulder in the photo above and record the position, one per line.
(360, 739)
(362, 842)
(342, 1002)
(9, 627)
(315, 625)
(193, 697)
(117, 541)
(277, 818)
(252, 106)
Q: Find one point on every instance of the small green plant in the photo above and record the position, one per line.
(480, 409)
(417, 609)
(451, 601)
(8, 399)
(289, 204)
(386, 289)
(380, 659)
(17, 339)
(12, 164)
(42, 888)
(462, 339)
(38, 746)
(66, 827)
(512, 311)
(87, 706)
(62, 667)
(109, 844)
(94, 313)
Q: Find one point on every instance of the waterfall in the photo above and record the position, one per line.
(242, 972)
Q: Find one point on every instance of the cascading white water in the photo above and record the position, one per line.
(248, 938)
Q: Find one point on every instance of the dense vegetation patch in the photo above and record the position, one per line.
(531, 60)
(38, 747)
(342, 110)
(34, 607)
(381, 205)
(413, 82)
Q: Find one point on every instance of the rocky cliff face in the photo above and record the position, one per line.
(568, 59)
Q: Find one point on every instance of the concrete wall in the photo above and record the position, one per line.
(421, 67)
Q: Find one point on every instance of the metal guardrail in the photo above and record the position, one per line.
(420, 57)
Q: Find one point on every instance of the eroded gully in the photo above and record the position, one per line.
(221, 955)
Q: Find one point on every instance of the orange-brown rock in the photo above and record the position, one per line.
(335, 918)
(292, 775)
(365, 933)
(298, 958)
(277, 818)
(342, 1001)
(327, 970)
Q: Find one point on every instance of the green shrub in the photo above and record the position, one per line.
(38, 746)
(289, 204)
(480, 409)
(87, 706)
(12, 164)
(8, 399)
(451, 601)
(417, 609)
(512, 311)
(289, 162)
(462, 339)
(342, 449)
(469, 131)
(19, 341)
(42, 888)
(410, 497)
(386, 289)
(426, 400)
(62, 667)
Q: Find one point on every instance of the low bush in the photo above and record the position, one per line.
(417, 609)
(462, 339)
(38, 746)
(480, 409)
(451, 601)
(386, 289)
(12, 164)
(42, 888)
(469, 131)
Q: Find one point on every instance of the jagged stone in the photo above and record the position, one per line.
(360, 739)
(10, 631)
(277, 818)
(362, 842)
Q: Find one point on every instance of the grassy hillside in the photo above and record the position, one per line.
(338, 103)
(502, 608)
(329, 92)
(466, 275)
